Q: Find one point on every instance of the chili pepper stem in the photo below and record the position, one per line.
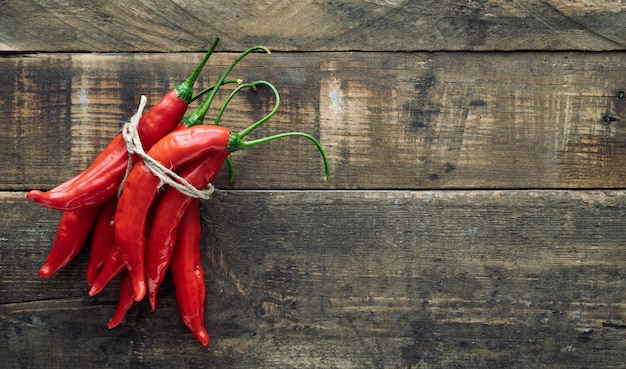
(185, 89)
(253, 86)
(208, 89)
(236, 142)
(231, 169)
(197, 116)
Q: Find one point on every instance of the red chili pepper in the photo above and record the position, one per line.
(102, 178)
(111, 268)
(114, 264)
(188, 274)
(173, 203)
(102, 239)
(141, 187)
(126, 301)
(67, 244)
(74, 227)
(177, 148)
(172, 206)
(174, 150)
(200, 151)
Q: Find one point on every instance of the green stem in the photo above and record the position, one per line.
(185, 89)
(253, 86)
(230, 97)
(231, 169)
(236, 142)
(198, 116)
(251, 128)
(208, 89)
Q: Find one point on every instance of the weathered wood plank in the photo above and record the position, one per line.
(392, 25)
(387, 120)
(437, 279)
(349, 279)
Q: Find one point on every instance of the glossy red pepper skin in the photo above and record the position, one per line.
(102, 239)
(114, 264)
(112, 267)
(172, 206)
(100, 181)
(125, 302)
(188, 274)
(74, 228)
(141, 186)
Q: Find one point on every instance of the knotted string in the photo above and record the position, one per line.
(167, 176)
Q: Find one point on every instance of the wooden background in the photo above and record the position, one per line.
(473, 217)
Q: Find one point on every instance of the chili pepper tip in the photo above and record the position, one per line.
(34, 194)
(140, 290)
(45, 271)
(203, 337)
(152, 297)
(93, 291)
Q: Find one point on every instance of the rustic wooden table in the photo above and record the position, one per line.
(474, 217)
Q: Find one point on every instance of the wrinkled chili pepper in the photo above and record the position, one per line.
(188, 274)
(114, 264)
(173, 203)
(111, 268)
(125, 302)
(102, 239)
(141, 187)
(102, 178)
(72, 232)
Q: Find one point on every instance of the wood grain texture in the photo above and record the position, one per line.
(389, 25)
(386, 120)
(348, 279)
(473, 217)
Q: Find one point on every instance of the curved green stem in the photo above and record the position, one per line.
(236, 142)
(253, 86)
(231, 169)
(197, 116)
(208, 89)
(185, 89)
(218, 117)
(251, 128)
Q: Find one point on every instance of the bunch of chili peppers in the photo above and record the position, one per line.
(138, 227)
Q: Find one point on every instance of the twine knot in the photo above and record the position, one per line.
(166, 175)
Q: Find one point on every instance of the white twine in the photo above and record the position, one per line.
(167, 176)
